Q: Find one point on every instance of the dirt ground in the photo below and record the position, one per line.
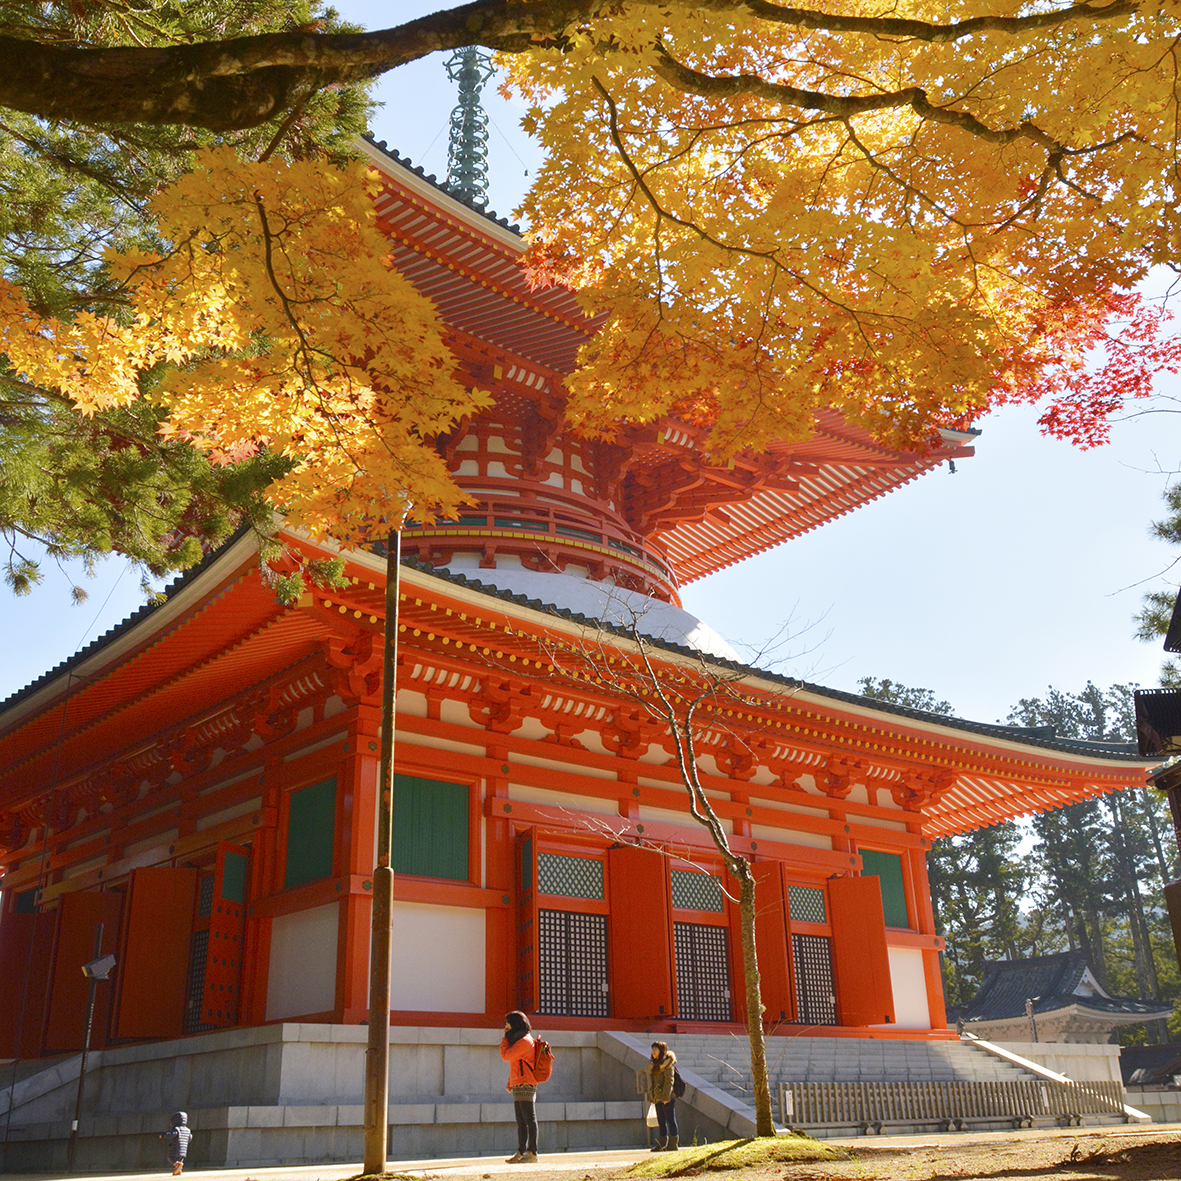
(1091, 1154)
(1128, 1157)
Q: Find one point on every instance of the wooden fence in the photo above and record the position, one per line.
(952, 1105)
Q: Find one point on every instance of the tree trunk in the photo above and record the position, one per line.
(1096, 952)
(1168, 869)
(764, 1123)
(1141, 943)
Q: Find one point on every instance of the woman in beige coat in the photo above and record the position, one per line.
(662, 1071)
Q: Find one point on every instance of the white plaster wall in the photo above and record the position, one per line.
(909, 983)
(438, 958)
(302, 974)
(1081, 1062)
(877, 822)
(677, 818)
(791, 836)
(411, 703)
(531, 728)
(455, 712)
(553, 798)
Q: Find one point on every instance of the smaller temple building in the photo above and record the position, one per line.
(1068, 1003)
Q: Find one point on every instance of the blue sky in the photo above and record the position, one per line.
(1021, 570)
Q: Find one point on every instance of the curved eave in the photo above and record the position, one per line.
(1079, 1010)
(92, 664)
(222, 629)
(994, 774)
(771, 517)
(218, 632)
(468, 265)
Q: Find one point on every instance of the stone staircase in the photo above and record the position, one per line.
(723, 1061)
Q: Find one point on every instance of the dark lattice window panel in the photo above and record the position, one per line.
(697, 891)
(205, 897)
(806, 904)
(195, 990)
(573, 877)
(572, 948)
(703, 972)
(815, 995)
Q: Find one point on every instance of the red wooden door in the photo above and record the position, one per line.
(222, 994)
(771, 941)
(528, 947)
(78, 917)
(26, 955)
(640, 933)
(861, 960)
(153, 969)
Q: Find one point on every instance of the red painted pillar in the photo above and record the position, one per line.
(925, 914)
(359, 779)
(500, 981)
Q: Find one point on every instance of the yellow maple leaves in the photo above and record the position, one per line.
(273, 318)
(762, 247)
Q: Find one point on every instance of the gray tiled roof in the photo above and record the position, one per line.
(1052, 980)
(1037, 737)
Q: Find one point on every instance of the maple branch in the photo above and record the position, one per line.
(657, 208)
(306, 349)
(691, 81)
(771, 257)
(914, 30)
(242, 82)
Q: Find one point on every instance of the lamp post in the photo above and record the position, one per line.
(97, 969)
(1029, 1002)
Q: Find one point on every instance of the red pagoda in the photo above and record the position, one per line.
(209, 769)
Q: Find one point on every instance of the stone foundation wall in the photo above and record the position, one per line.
(293, 1093)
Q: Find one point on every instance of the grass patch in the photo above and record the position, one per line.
(380, 1177)
(737, 1154)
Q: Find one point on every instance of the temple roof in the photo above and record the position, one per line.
(221, 626)
(1053, 982)
(519, 341)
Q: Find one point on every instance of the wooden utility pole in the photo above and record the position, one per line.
(377, 1055)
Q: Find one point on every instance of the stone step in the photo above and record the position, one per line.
(723, 1060)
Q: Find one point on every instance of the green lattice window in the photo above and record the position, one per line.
(430, 828)
(887, 868)
(573, 877)
(311, 833)
(205, 897)
(233, 878)
(26, 902)
(697, 891)
(806, 904)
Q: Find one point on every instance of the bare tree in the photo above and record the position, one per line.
(689, 695)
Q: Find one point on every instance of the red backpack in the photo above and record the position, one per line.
(543, 1061)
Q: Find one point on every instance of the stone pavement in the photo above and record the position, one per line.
(585, 1161)
(438, 1167)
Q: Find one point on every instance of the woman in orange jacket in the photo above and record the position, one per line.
(517, 1048)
